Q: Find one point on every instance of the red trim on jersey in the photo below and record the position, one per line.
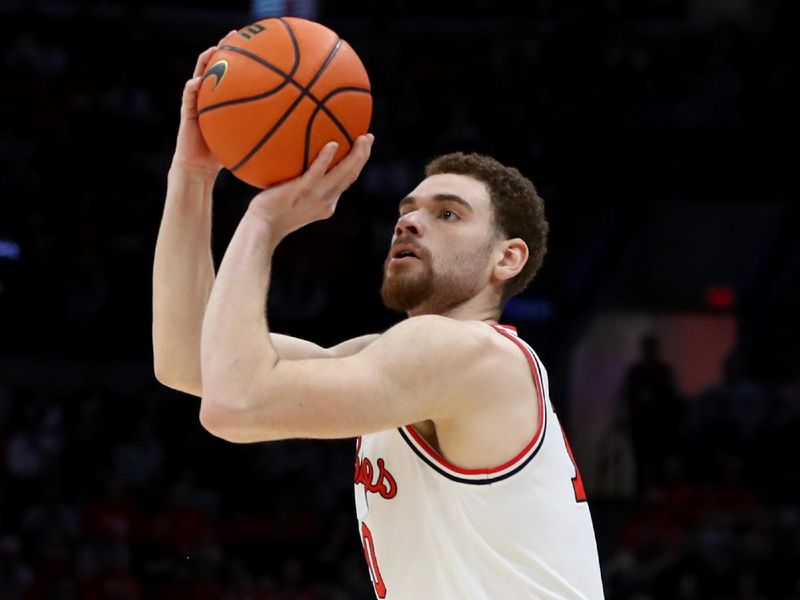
(536, 436)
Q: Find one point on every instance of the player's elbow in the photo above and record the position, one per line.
(232, 424)
(172, 378)
(212, 421)
(163, 362)
(164, 375)
(220, 422)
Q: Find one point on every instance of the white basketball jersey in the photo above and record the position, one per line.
(434, 531)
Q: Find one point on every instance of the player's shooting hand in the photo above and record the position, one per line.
(191, 151)
(313, 195)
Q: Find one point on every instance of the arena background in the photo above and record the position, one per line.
(662, 135)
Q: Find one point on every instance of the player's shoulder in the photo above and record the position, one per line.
(437, 324)
(460, 360)
(439, 333)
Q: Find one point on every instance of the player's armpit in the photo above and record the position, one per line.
(424, 368)
(350, 347)
(292, 348)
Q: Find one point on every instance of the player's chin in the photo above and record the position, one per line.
(405, 289)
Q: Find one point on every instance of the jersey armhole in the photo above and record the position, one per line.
(490, 475)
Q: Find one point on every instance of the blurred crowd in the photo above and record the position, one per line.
(114, 490)
(111, 489)
(601, 111)
(716, 511)
(110, 493)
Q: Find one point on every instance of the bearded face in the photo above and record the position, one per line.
(416, 281)
(442, 246)
(407, 276)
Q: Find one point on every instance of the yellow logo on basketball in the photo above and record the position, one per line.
(218, 70)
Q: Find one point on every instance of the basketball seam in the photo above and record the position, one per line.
(244, 100)
(321, 106)
(287, 77)
(304, 92)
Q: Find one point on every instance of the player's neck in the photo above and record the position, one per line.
(484, 306)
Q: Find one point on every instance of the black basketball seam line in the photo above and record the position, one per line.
(243, 100)
(303, 94)
(311, 83)
(287, 77)
(290, 110)
(322, 106)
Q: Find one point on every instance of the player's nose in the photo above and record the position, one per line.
(409, 223)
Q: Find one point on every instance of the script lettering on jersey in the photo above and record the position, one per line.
(382, 482)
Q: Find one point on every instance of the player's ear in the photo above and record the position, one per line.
(512, 256)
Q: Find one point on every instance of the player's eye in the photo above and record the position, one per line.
(449, 215)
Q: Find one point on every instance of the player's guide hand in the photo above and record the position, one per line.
(312, 196)
(191, 151)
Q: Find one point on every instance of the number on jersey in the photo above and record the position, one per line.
(577, 481)
(372, 561)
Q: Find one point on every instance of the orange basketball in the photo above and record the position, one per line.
(276, 92)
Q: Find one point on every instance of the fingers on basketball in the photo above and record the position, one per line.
(205, 55)
(334, 182)
(316, 171)
(189, 101)
(225, 37)
(202, 60)
(308, 184)
(344, 174)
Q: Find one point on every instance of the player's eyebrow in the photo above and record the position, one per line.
(439, 198)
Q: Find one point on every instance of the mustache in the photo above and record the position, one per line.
(407, 240)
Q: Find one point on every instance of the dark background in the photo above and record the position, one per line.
(662, 135)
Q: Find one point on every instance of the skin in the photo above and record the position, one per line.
(446, 221)
(467, 389)
(183, 269)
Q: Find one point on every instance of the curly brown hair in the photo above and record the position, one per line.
(518, 209)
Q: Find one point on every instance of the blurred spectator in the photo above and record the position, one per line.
(736, 408)
(15, 574)
(139, 461)
(654, 411)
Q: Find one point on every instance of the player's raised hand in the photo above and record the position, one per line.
(313, 195)
(191, 151)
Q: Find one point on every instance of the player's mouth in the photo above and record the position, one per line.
(404, 253)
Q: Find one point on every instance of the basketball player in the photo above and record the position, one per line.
(464, 482)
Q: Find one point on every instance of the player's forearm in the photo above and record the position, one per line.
(235, 350)
(183, 276)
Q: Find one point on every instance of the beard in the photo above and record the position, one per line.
(406, 289)
(403, 292)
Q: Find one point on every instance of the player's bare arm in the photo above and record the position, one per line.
(413, 373)
(288, 347)
(183, 270)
